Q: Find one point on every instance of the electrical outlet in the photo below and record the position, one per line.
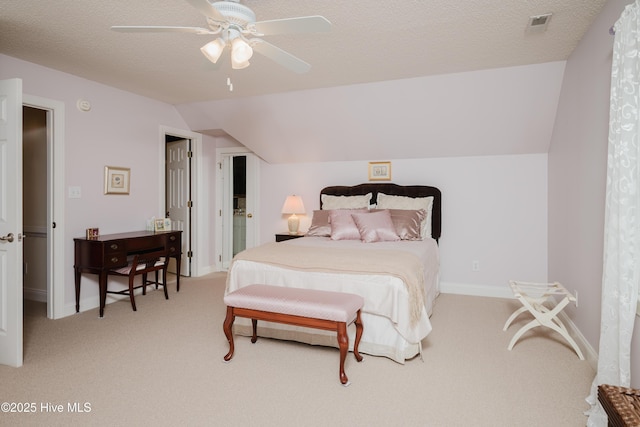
(475, 265)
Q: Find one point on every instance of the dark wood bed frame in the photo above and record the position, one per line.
(394, 190)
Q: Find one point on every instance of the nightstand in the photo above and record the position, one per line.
(281, 237)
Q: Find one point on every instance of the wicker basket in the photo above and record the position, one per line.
(621, 404)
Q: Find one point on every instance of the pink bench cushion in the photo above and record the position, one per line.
(325, 305)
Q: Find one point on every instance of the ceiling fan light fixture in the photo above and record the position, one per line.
(213, 49)
(241, 52)
(238, 65)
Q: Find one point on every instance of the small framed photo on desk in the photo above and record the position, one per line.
(159, 224)
(93, 233)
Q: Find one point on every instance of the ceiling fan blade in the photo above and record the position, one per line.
(304, 24)
(161, 29)
(280, 56)
(205, 8)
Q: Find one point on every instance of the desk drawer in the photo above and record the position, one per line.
(114, 246)
(174, 244)
(116, 259)
(115, 254)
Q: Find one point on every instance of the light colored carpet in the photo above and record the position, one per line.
(162, 365)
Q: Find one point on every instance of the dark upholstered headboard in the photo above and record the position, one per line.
(394, 190)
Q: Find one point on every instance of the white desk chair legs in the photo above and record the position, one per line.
(533, 297)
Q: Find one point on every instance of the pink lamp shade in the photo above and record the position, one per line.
(293, 205)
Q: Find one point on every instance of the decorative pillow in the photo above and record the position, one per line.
(320, 226)
(408, 223)
(342, 225)
(345, 202)
(375, 226)
(386, 201)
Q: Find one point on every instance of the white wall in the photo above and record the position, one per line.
(577, 177)
(122, 129)
(498, 111)
(494, 211)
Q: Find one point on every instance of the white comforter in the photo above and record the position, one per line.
(389, 329)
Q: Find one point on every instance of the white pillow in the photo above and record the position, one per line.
(386, 201)
(345, 202)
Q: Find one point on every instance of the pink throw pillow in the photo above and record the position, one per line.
(320, 226)
(375, 226)
(408, 223)
(342, 225)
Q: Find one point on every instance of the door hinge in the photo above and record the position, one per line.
(189, 154)
(220, 212)
(189, 204)
(220, 258)
(189, 254)
(220, 165)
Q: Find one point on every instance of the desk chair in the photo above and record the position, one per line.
(142, 264)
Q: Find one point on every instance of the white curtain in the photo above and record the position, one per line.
(621, 263)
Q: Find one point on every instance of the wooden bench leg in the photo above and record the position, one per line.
(254, 338)
(228, 323)
(343, 343)
(359, 328)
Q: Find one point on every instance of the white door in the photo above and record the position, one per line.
(250, 213)
(11, 222)
(253, 214)
(178, 197)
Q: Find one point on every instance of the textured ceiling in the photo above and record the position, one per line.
(370, 41)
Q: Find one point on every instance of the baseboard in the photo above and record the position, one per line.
(35, 294)
(476, 290)
(591, 356)
(203, 271)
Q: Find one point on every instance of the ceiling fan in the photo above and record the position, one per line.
(237, 28)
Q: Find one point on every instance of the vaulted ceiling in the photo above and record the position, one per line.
(370, 42)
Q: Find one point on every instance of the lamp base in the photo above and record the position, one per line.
(293, 222)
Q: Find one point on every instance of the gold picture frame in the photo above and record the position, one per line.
(116, 180)
(379, 171)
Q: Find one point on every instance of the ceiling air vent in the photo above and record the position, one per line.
(538, 23)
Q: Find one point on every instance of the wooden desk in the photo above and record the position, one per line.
(99, 255)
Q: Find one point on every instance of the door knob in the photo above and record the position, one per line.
(249, 215)
(7, 238)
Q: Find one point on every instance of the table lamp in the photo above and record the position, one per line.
(293, 205)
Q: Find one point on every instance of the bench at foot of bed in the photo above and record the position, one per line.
(310, 308)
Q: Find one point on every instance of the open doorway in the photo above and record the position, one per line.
(34, 189)
(237, 197)
(43, 206)
(239, 191)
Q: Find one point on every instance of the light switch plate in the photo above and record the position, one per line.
(75, 192)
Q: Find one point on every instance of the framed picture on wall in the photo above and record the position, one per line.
(116, 180)
(379, 171)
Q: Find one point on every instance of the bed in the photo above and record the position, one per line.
(393, 263)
